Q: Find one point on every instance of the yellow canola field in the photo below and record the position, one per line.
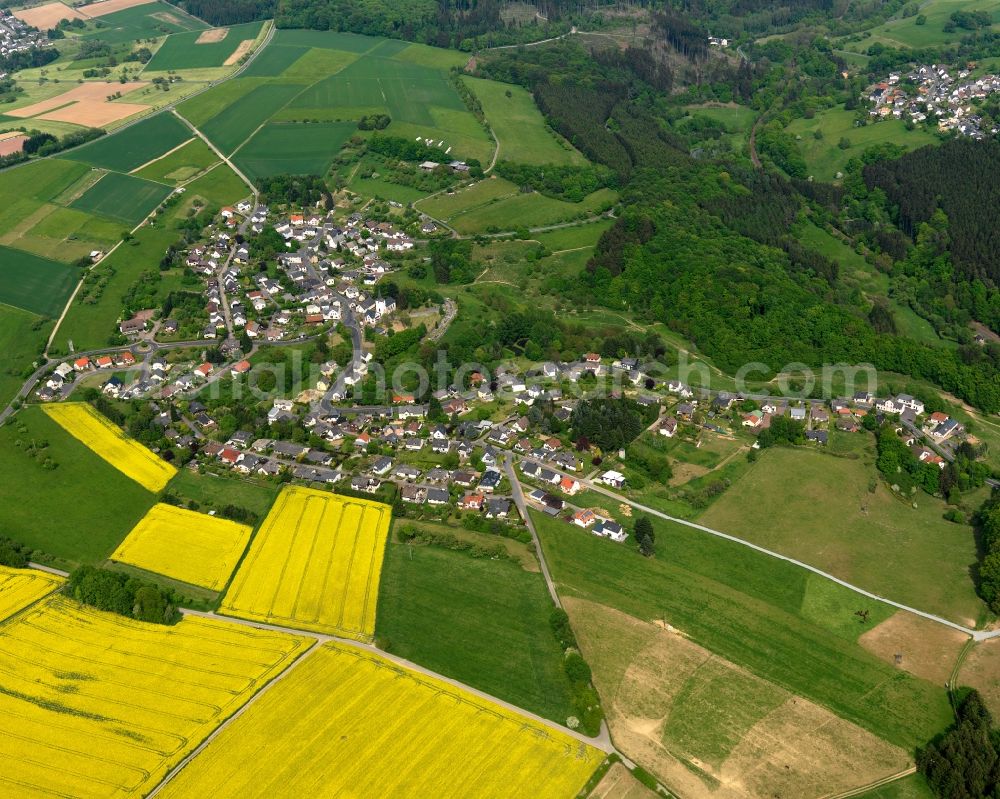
(128, 456)
(314, 564)
(193, 547)
(98, 705)
(20, 587)
(350, 723)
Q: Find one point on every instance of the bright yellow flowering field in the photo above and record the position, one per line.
(314, 564)
(97, 705)
(350, 723)
(128, 456)
(179, 543)
(20, 587)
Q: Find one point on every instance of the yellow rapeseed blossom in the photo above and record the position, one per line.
(350, 723)
(20, 587)
(128, 456)
(193, 547)
(98, 705)
(314, 564)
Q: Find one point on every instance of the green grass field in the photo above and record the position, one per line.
(275, 59)
(572, 238)
(147, 21)
(35, 284)
(25, 189)
(22, 338)
(181, 51)
(818, 509)
(236, 122)
(135, 145)
(181, 165)
(754, 611)
(217, 187)
(912, 787)
(210, 491)
(293, 148)
(124, 198)
(77, 511)
(519, 126)
(480, 621)
(825, 158)
(906, 32)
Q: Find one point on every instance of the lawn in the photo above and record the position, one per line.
(89, 506)
(147, 21)
(182, 50)
(481, 621)
(825, 158)
(135, 145)
(22, 338)
(289, 148)
(181, 165)
(35, 284)
(820, 509)
(124, 198)
(519, 126)
(748, 608)
(234, 124)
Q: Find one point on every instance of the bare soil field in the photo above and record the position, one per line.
(981, 670)
(212, 35)
(105, 7)
(241, 50)
(926, 649)
(81, 93)
(619, 783)
(48, 15)
(92, 114)
(708, 728)
(12, 144)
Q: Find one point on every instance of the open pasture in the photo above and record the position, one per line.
(180, 165)
(97, 704)
(126, 21)
(22, 338)
(202, 49)
(124, 198)
(127, 455)
(185, 545)
(354, 710)
(134, 146)
(315, 564)
(24, 190)
(34, 284)
(293, 148)
(708, 727)
(21, 587)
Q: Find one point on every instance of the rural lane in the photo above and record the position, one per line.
(518, 494)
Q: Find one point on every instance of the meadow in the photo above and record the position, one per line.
(58, 496)
(481, 621)
(146, 21)
(289, 148)
(27, 188)
(63, 234)
(33, 283)
(134, 146)
(209, 490)
(184, 51)
(108, 441)
(107, 706)
(124, 198)
(180, 165)
(22, 339)
(825, 158)
(519, 126)
(698, 721)
(428, 737)
(820, 509)
(22, 587)
(906, 32)
(185, 545)
(314, 564)
(793, 629)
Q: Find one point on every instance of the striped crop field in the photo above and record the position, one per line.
(314, 565)
(351, 723)
(130, 457)
(20, 587)
(96, 704)
(185, 545)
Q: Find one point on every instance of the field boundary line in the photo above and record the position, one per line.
(862, 789)
(977, 635)
(246, 705)
(161, 157)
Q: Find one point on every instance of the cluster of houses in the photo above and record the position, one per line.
(932, 92)
(17, 36)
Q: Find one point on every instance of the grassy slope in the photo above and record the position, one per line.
(758, 612)
(906, 32)
(79, 511)
(818, 508)
(480, 621)
(22, 336)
